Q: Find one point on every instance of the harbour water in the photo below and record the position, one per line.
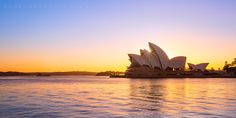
(104, 97)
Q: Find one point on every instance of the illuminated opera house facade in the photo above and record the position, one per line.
(156, 62)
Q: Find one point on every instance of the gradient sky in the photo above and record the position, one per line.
(97, 35)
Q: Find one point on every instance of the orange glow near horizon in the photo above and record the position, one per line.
(111, 60)
(112, 56)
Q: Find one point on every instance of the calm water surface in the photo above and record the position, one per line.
(89, 96)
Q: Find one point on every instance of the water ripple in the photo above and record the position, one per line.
(89, 96)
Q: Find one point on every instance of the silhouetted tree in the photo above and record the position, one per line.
(226, 66)
(212, 69)
(234, 62)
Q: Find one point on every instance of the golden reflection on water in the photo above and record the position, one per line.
(93, 97)
(176, 97)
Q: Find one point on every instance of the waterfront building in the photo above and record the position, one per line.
(157, 62)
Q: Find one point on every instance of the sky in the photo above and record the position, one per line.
(97, 35)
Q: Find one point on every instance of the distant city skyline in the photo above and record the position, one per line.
(97, 35)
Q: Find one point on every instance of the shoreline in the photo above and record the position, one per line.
(175, 76)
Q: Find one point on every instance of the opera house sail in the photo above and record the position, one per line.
(156, 62)
(201, 66)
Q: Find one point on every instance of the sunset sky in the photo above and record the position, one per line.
(97, 35)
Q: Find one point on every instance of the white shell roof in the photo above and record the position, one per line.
(161, 55)
(201, 66)
(177, 62)
(158, 58)
(138, 59)
(150, 58)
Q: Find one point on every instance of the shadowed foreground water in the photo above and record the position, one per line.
(89, 96)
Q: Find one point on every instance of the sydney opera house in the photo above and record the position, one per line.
(156, 62)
